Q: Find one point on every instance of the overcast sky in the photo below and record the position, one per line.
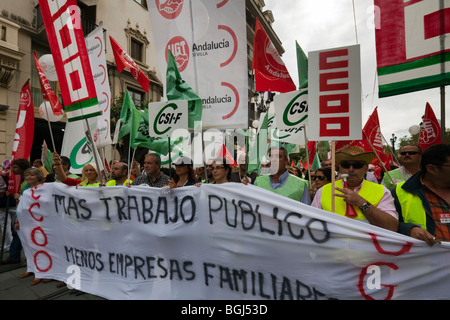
(324, 24)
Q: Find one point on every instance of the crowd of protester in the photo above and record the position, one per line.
(412, 199)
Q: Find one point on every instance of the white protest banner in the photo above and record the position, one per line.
(166, 117)
(209, 41)
(95, 43)
(228, 241)
(334, 94)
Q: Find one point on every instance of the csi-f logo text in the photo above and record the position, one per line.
(167, 117)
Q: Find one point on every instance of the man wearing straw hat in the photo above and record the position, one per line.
(356, 197)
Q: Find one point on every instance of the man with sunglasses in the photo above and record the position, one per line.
(410, 164)
(423, 201)
(356, 197)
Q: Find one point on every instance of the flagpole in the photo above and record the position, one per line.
(333, 174)
(170, 158)
(307, 155)
(93, 150)
(130, 165)
(50, 128)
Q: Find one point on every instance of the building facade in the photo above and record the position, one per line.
(22, 32)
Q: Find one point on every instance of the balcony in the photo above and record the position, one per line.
(87, 22)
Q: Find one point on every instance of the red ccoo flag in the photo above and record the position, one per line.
(270, 72)
(123, 60)
(430, 133)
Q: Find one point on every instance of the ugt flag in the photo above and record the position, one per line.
(270, 72)
(412, 45)
(123, 60)
(430, 133)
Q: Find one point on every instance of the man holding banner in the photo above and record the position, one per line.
(153, 176)
(280, 180)
(358, 198)
(423, 200)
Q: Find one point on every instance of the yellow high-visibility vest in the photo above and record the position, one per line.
(370, 191)
(412, 207)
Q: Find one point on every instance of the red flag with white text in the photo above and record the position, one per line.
(47, 91)
(372, 133)
(24, 135)
(430, 133)
(123, 60)
(270, 72)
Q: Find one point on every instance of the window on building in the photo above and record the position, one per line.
(3, 34)
(142, 3)
(137, 97)
(137, 50)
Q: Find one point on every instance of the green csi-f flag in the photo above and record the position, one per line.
(135, 122)
(302, 65)
(178, 89)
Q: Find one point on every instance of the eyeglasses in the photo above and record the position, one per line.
(411, 153)
(354, 164)
(217, 168)
(321, 178)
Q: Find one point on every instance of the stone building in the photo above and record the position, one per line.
(22, 32)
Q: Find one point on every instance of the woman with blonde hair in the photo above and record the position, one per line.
(89, 174)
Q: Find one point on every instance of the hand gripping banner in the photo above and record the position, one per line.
(228, 241)
(68, 47)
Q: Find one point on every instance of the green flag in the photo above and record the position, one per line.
(178, 89)
(47, 157)
(259, 147)
(135, 122)
(125, 115)
(302, 65)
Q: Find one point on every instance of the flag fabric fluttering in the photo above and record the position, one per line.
(123, 61)
(178, 89)
(24, 134)
(47, 157)
(302, 65)
(135, 122)
(372, 133)
(47, 91)
(430, 133)
(270, 72)
(68, 48)
(258, 149)
(223, 153)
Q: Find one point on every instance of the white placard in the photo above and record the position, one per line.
(334, 95)
(166, 117)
